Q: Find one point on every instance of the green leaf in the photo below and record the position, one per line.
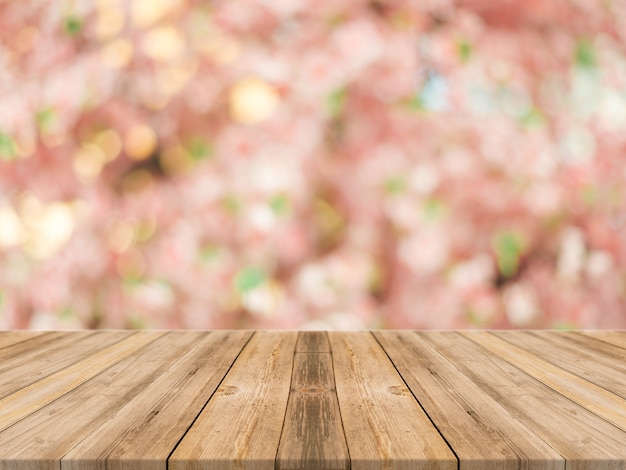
(585, 55)
(566, 325)
(66, 313)
(589, 194)
(7, 147)
(209, 254)
(474, 317)
(509, 246)
(46, 118)
(465, 50)
(135, 322)
(280, 205)
(533, 119)
(434, 209)
(395, 185)
(336, 102)
(231, 204)
(415, 103)
(249, 278)
(72, 25)
(199, 148)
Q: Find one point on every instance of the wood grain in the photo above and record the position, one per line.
(312, 435)
(38, 394)
(385, 427)
(143, 432)
(39, 440)
(241, 425)
(583, 438)
(46, 354)
(587, 394)
(313, 341)
(577, 354)
(393, 400)
(616, 338)
(9, 338)
(483, 434)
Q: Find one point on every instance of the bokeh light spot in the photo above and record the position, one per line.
(162, 43)
(145, 13)
(48, 226)
(117, 54)
(111, 20)
(88, 161)
(252, 100)
(140, 142)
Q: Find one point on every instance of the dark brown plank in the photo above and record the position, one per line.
(312, 436)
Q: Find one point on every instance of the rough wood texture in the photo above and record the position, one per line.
(241, 425)
(385, 427)
(121, 400)
(483, 434)
(587, 394)
(142, 433)
(312, 434)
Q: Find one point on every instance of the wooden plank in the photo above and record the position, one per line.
(616, 338)
(313, 341)
(577, 354)
(312, 436)
(141, 434)
(39, 360)
(584, 439)
(38, 394)
(24, 350)
(384, 425)
(9, 338)
(40, 440)
(589, 395)
(483, 434)
(241, 425)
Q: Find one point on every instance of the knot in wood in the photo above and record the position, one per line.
(398, 390)
(312, 390)
(227, 390)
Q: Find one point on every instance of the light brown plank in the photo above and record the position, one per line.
(589, 395)
(585, 440)
(9, 338)
(143, 433)
(38, 394)
(40, 440)
(241, 425)
(483, 434)
(577, 354)
(312, 436)
(384, 425)
(21, 351)
(616, 338)
(39, 360)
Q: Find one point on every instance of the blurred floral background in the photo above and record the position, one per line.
(337, 164)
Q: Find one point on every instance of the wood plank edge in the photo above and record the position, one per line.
(193, 421)
(375, 334)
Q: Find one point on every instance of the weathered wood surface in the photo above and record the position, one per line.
(121, 400)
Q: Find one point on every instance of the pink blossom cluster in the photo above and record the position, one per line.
(344, 164)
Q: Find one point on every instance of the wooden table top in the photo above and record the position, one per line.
(313, 400)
